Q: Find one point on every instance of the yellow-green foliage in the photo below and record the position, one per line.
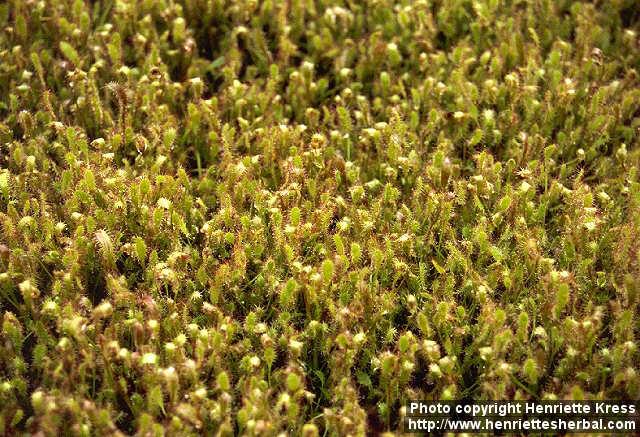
(254, 217)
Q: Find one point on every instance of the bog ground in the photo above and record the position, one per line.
(258, 217)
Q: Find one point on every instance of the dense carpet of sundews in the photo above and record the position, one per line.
(250, 217)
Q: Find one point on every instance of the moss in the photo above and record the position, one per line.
(262, 217)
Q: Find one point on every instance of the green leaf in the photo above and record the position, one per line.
(70, 53)
(364, 379)
(293, 382)
(217, 63)
(327, 270)
(4, 184)
(140, 249)
(155, 399)
(223, 381)
(438, 267)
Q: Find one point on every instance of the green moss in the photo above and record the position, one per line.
(262, 217)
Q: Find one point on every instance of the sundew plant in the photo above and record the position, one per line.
(243, 217)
